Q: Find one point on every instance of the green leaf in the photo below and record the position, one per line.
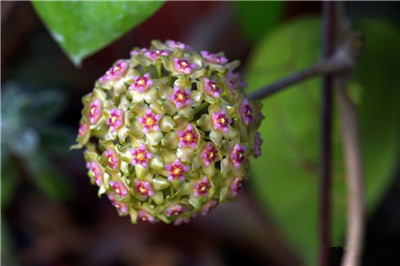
(50, 182)
(55, 142)
(42, 106)
(9, 181)
(258, 18)
(286, 176)
(83, 27)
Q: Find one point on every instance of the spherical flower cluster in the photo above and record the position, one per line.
(169, 133)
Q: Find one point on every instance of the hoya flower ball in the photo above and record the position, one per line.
(169, 133)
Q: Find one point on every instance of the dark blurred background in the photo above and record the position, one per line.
(51, 215)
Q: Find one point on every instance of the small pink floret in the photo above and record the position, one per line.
(209, 206)
(149, 121)
(177, 170)
(180, 97)
(119, 188)
(97, 172)
(246, 112)
(174, 210)
(153, 55)
(83, 128)
(236, 185)
(116, 71)
(144, 188)
(201, 187)
(95, 112)
(213, 58)
(112, 158)
(122, 207)
(116, 120)
(237, 155)
(234, 80)
(220, 121)
(257, 145)
(182, 220)
(141, 84)
(145, 216)
(175, 45)
(209, 154)
(141, 156)
(211, 88)
(183, 66)
(188, 137)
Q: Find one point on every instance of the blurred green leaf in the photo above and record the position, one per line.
(7, 245)
(56, 142)
(81, 28)
(286, 176)
(43, 106)
(49, 181)
(258, 18)
(378, 73)
(9, 181)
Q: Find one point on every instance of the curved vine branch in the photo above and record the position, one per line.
(341, 61)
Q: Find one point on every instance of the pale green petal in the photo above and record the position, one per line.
(170, 141)
(186, 112)
(204, 122)
(153, 138)
(225, 167)
(183, 83)
(166, 124)
(158, 197)
(159, 183)
(185, 154)
(216, 137)
(156, 163)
